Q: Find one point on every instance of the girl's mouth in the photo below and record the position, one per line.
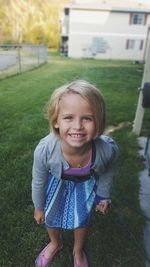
(77, 136)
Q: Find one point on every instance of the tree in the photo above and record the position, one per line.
(31, 21)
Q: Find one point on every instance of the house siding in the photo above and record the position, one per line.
(103, 34)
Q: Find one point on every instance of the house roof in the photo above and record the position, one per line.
(112, 5)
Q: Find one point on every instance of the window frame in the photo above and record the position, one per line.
(132, 43)
(138, 18)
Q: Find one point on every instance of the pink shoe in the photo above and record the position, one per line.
(84, 264)
(41, 261)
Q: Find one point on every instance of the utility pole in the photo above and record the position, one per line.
(137, 125)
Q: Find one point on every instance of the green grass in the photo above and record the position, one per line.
(22, 124)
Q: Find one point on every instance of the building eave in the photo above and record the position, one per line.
(113, 6)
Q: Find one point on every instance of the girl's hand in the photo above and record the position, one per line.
(39, 216)
(102, 207)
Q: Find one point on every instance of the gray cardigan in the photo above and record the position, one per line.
(49, 159)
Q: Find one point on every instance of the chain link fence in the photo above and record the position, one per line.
(18, 58)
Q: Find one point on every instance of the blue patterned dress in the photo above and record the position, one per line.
(69, 203)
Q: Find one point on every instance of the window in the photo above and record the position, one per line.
(138, 18)
(134, 44)
(66, 11)
(130, 44)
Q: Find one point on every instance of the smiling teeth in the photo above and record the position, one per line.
(76, 135)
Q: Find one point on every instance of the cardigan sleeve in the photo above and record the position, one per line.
(104, 184)
(39, 176)
(107, 170)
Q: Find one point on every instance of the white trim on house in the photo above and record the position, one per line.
(112, 5)
(108, 34)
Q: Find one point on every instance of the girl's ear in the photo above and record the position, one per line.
(56, 125)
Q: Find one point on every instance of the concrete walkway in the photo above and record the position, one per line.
(145, 197)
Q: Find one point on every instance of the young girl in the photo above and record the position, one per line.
(73, 168)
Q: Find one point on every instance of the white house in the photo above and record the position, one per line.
(106, 29)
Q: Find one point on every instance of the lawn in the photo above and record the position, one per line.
(115, 240)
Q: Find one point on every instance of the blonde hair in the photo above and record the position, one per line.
(87, 91)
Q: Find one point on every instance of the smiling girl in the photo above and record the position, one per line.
(73, 168)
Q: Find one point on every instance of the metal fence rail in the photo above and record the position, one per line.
(18, 58)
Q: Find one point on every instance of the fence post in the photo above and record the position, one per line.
(19, 59)
(38, 56)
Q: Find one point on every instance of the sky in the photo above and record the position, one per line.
(147, 1)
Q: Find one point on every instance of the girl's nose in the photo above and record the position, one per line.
(77, 124)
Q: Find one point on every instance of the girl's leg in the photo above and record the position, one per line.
(79, 240)
(55, 241)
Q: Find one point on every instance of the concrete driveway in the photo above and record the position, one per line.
(7, 60)
(145, 197)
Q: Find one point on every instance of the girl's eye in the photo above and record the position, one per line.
(87, 118)
(68, 118)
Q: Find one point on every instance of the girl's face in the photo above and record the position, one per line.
(75, 121)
